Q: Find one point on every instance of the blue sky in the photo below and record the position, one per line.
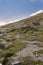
(17, 9)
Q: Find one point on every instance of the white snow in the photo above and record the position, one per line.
(4, 23)
(33, 14)
(38, 12)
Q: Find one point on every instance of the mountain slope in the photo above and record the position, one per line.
(22, 40)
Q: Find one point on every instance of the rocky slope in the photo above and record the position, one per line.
(22, 41)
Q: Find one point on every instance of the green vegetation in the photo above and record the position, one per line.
(38, 52)
(30, 62)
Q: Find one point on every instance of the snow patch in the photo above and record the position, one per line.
(38, 12)
(4, 23)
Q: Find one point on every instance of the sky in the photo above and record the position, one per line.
(13, 10)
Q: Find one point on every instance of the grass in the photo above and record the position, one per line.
(38, 52)
(27, 61)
